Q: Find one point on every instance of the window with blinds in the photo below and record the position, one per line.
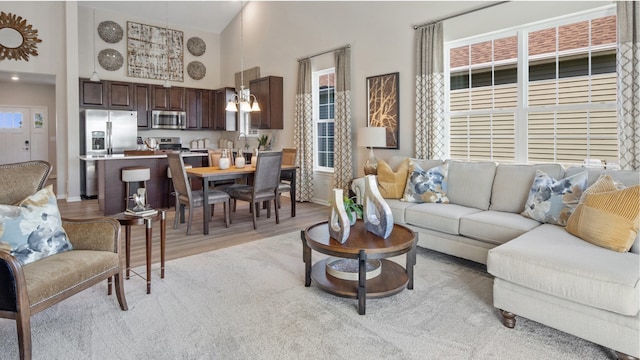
(323, 94)
(560, 107)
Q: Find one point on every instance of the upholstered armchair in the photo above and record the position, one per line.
(26, 289)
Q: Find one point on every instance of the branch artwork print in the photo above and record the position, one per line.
(383, 105)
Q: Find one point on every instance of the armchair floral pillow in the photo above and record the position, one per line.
(33, 229)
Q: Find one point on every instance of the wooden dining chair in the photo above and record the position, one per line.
(265, 185)
(185, 197)
(288, 158)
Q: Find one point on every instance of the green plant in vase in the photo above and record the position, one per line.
(262, 142)
(353, 209)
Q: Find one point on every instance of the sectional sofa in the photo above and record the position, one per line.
(541, 271)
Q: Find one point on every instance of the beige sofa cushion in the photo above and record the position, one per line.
(550, 260)
(495, 227)
(627, 177)
(512, 183)
(439, 217)
(398, 210)
(470, 183)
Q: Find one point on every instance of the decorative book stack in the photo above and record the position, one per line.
(142, 212)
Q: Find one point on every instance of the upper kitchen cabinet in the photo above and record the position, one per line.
(171, 99)
(268, 92)
(222, 119)
(143, 105)
(198, 109)
(93, 94)
(112, 95)
(120, 95)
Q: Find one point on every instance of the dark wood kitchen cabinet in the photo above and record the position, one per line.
(120, 95)
(142, 105)
(170, 99)
(112, 95)
(198, 109)
(93, 94)
(268, 92)
(222, 119)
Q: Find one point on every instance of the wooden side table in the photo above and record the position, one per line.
(129, 220)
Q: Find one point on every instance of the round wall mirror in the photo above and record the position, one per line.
(17, 38)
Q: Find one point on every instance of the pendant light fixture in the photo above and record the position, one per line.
(166, 42)
(94, 76)
(243, 99)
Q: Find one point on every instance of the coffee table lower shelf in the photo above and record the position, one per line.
(391, 280)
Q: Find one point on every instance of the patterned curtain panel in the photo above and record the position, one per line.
(430, 124)
(628, 64)
(303, 132)
(343, 152)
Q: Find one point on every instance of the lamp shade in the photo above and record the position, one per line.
(372, 137)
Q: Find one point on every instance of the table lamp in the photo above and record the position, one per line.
(372, 137)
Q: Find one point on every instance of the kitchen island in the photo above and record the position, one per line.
(111, 193)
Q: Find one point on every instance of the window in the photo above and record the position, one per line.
(539, 93)
(244, 121)
(10, 120)
(323, 83)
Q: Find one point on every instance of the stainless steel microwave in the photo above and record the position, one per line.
(168, 119)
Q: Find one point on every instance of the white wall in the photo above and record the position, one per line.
(382, 39)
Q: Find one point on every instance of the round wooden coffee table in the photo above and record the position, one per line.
(361, 245)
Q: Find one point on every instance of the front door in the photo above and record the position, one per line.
(23, 134)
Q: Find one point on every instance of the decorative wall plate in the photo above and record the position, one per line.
(110, 31)
(110, 59)
(196, 46)
(196, 70)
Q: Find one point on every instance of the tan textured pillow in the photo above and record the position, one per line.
(604, 183)
(608, 219)
(391, 184)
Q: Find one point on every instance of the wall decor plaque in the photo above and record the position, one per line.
(18, 39)
(110, 31)
(383, 105)
(196, 46)
(196, 70)
(110, 59)
(154, 52)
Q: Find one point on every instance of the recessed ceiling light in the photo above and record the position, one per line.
(15, 78)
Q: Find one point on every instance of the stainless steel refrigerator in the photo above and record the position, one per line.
(104, 132)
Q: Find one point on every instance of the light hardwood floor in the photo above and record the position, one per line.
(240, 231)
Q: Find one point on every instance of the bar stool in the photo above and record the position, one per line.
(135, 174)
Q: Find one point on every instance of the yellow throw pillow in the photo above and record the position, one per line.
(608, 219)
(604, 183)
(391, 184)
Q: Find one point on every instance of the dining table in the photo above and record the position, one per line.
(214, 173)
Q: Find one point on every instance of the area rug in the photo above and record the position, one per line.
(249, 302)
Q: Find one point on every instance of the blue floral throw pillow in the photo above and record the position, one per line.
(426, 186)
(553, 201)
(33, 229)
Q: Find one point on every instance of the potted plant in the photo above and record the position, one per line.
(262, 142)
(353, 209)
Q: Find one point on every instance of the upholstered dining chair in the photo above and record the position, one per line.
(288, 158)
(265, 185)
(185, 197)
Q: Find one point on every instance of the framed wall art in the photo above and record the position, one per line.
(154, 52)
(383, 105)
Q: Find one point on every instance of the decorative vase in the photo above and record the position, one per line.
(339, 226)
(240, 159)
(377, 215)
(224, 160)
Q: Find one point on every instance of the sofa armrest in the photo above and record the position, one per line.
(101, 234)
(357, 186)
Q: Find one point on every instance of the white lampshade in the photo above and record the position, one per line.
(372, 137)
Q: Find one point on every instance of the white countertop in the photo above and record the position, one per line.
(123, 157)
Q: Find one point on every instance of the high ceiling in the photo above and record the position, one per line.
(208, 16)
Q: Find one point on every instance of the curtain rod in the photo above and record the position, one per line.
(415, 27)
(324, 52)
